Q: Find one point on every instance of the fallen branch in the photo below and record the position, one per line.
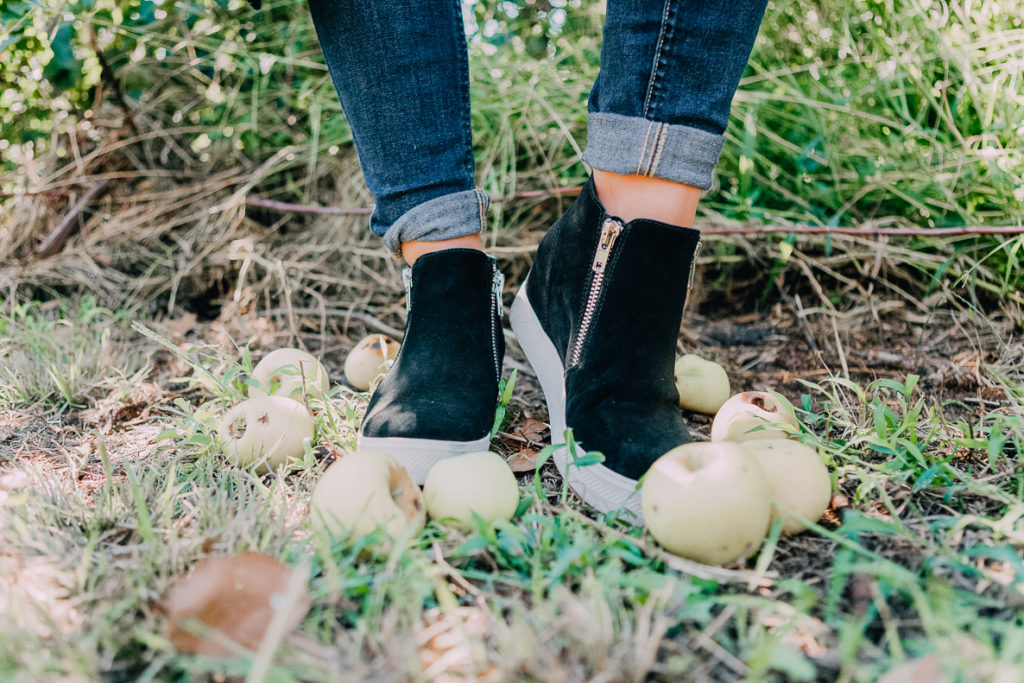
(52, 243)
(347, 313)
(285, 207)
(870, 232)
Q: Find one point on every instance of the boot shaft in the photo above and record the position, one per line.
(444, 383)
(598, 279)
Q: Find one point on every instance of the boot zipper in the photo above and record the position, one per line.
(407, 279)
(609, 233)
(693, 265)
(497, 284)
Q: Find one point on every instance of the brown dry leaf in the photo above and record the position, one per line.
(923, 670)
(451, 646)
(178, 328)
(237, 596)
(523, 461)
(534, 431)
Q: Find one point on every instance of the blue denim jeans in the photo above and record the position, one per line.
(660, 106)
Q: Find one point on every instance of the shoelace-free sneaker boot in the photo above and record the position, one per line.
(438, 398)
(598, 318)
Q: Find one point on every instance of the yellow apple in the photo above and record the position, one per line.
(753, 415)
(289, 373)
(707, 502)
(797, 480)
(703, 385)
(369, 360)
(365, 491)
(263, 433)
(457, 487)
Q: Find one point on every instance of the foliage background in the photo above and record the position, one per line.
(907, 112)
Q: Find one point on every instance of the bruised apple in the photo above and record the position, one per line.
(290, 373)
(703, 385)
(752, 415)
(364, 491)
(480, 483)
(707, 502)
(369, 360)
(797, 480)
(264, 433)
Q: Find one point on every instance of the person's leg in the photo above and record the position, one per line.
(401, 72)
(599, 314)
(400, 69)
(660, 106)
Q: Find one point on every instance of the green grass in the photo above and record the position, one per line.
(925, 562)
(58, 354)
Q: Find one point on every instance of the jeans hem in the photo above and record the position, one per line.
(632, 145)
(446, 217)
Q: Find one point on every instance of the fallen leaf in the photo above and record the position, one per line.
(236, 597)
(210, 544)
(523, 461)
(534, 431)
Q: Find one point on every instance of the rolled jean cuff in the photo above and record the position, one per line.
(443, 218)
(631, 145)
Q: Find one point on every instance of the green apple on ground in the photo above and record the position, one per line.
(369, 361)
(480, 483)
(264, 433)
(797, 479)
(708, 502)
(703, 384)
(753, 415)
(365, 491)
(292, 373)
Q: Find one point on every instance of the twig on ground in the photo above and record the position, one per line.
(458, 578)
(364, 318)
(801, 316)
(52, 243)
(274, 205)
(706, 641)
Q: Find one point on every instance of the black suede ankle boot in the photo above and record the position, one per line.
(438, 399)
(598, 318)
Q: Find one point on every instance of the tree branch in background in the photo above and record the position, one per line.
(284, 207)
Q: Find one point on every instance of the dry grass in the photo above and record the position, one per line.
(99, 515)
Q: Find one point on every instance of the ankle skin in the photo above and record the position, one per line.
(634, 196)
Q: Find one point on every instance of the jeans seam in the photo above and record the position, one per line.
(480, 206)
(665, 27)
(643, 150)
(659, 147)
(460, 44)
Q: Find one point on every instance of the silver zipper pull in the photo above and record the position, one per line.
(407, 279)
(498, 284)
(609, 233)
(693, 265)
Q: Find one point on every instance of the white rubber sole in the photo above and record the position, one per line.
(600, 487)
(417, 456)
